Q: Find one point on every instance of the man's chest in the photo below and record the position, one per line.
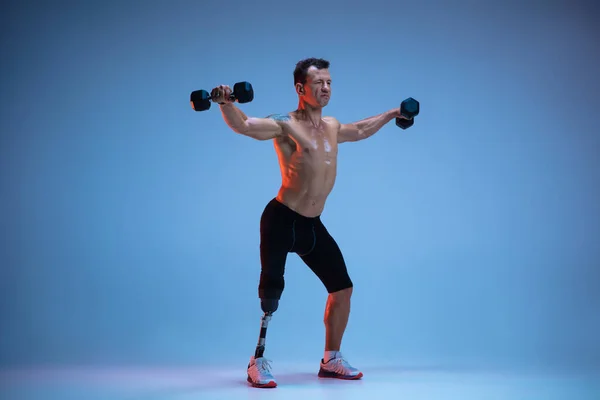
(319, 141)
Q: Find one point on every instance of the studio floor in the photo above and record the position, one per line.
(295, 382)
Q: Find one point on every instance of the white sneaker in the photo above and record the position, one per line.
(259, 373)
(338, 368)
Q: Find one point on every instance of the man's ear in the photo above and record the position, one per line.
(300, 89)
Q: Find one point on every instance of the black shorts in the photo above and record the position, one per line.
(284, 231)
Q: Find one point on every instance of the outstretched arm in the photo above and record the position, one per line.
(365, 128)
(256, 128)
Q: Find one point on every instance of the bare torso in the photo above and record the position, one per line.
(308, 161)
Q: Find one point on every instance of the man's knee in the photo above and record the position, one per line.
(341, 296)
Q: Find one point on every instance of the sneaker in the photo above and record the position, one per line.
(259, 373)
(338, 368)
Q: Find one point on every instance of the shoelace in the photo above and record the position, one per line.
(341, 365)
(263, 366)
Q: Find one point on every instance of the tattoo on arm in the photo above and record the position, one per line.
(279, 117)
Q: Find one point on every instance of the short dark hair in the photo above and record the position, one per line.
(301, 70)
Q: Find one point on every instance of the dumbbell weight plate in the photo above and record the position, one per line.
(200, 100)
(409, 108)
(243, 92)
(404, 123)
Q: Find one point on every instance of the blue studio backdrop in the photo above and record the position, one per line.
(130, 222)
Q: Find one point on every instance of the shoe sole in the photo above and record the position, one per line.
(268, 385)
(327, 374)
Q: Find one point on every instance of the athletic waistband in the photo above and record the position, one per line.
(291, 213)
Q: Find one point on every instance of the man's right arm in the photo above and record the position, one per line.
(256, 128)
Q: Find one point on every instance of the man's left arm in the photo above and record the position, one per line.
(355, 131)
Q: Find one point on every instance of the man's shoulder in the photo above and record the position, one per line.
(331, 120)
(282, 117)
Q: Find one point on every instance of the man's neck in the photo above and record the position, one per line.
(310, 113)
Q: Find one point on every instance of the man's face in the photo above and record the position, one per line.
(317, 89)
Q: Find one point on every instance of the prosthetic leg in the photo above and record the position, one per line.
(264, 323)
(259, 369)
(269, 306)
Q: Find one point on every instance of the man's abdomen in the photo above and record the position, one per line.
(306, 192)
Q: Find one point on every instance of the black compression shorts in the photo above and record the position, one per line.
(284, 231)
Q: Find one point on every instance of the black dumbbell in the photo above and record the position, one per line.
(242, 93)
(409, 109)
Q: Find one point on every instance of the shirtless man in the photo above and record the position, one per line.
(307, 146)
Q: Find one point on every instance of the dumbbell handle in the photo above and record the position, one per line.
(231, 97)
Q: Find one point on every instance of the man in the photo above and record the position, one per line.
(306, 143)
